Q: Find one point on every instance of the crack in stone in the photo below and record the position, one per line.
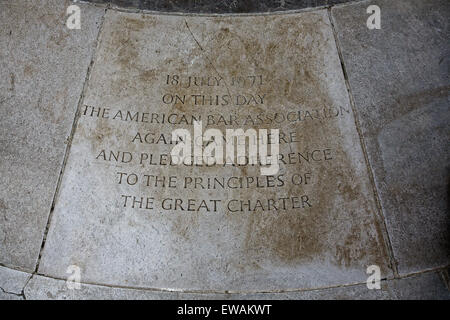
(7, 292)
(207, 58)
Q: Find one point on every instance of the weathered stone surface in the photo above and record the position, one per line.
(419, 287)
(12, 282)
(399, 76)
(425, 286)
(327, 239)
(43, 66)
(8, 296)
(218, 6)
(43, 288)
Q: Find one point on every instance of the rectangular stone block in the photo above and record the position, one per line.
(126, 215)
(43, 66)
(399, 77)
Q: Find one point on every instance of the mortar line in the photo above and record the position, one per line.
(26, 284)
(200, 291)
(69, 140)
(385, 233)
(217, 292)
(21, 294)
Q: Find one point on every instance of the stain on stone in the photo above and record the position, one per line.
(147, 76)
(59, 38)
(28, 70)
(12, 82)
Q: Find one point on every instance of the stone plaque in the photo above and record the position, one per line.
(128, 216)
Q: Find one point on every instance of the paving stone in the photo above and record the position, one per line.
(426, 286)
(43, 66)
(325, 231)
(7, 296)
(43, 288)
(399, 77)
(418, 287)
(218, 6)
(12, 281)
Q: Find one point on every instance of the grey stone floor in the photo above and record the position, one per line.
(393, 145)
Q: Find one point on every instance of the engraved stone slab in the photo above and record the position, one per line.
(127, 216)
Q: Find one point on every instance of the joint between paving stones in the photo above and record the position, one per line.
(379, 215)
(69, 139)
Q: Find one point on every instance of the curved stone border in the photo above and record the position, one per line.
(18, 285)
(423, 286)
(220, 6)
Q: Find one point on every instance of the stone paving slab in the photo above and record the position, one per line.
(270, 72)
(7, 296)
(428, 285)
(399, 77)
(424, 286)
(43, 66)
(12, 283)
